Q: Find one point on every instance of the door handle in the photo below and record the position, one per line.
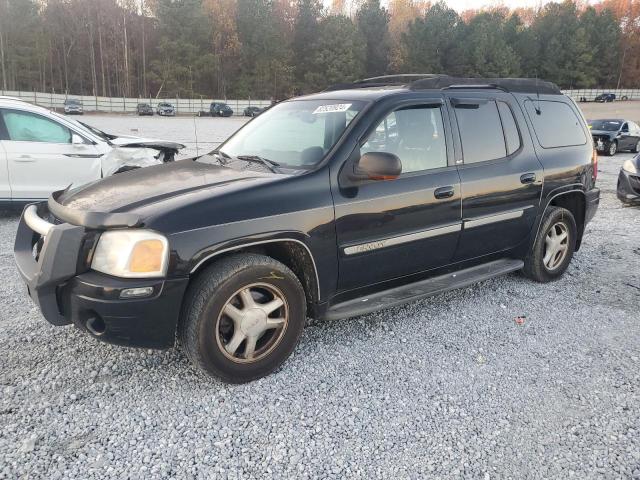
(25, 159)
(528, 178)
(443, 192)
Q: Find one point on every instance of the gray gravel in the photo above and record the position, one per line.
(449, 387)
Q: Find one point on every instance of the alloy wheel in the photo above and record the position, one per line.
(556, 246)
(252, 323)
(613, 147)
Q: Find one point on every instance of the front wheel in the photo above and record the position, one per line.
(554, 245)
(636, 149)
(242, 317)
(612, 148)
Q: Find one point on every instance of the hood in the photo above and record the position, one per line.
(135, 142)
(139, 188)
(603, 132)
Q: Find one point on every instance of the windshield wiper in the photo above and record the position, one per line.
(270, 164)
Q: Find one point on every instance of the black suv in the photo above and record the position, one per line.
(144, 109)
(330, 205)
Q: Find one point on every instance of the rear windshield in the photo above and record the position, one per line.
(555, 123)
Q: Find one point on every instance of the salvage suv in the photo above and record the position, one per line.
(332, 205)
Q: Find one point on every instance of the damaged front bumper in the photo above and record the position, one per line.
(54, 261)
(628, 188)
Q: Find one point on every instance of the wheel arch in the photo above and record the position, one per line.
(574, 201)
(292, 252)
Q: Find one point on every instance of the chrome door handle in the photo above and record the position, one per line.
(444, 192)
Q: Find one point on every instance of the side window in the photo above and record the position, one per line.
(480, 131)
(625, 127)
(510, 128)
(415, 135)
(555, 123)
(30, 127)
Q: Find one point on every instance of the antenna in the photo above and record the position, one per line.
(538, 110)
(195, 132)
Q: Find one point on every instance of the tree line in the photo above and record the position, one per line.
(279, 48)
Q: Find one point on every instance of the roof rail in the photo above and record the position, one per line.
(397, 80)
(429, 81)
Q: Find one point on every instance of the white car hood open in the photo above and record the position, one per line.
(136, 152)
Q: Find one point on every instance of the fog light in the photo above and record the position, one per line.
(136, 292)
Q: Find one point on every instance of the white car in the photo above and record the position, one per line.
(42, 151)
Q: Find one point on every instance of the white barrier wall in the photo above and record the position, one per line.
(191, 106)
(590, 94)
(183, 106)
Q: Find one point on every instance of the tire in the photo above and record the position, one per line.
(535, 267)
(208, 334)
(612, 149)
(636, 149)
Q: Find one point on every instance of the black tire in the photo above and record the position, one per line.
(534, 265)
(636, 148)
(199, 332)
(612, 149)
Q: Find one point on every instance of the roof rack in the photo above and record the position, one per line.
(426, 81)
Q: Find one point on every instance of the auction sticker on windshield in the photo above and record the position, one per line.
(338, 107)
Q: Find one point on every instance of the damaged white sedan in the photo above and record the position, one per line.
(41, 151)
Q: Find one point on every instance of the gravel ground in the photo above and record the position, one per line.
(449, 387)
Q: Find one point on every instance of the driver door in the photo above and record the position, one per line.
(41, 157)
(390, 229)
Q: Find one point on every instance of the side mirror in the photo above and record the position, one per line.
(77, 139)
(376, 166)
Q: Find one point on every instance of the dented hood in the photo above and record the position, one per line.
(136, 142)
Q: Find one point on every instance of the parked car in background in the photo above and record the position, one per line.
(615, 134)
(73, 107)
(217, 109)
(42, 151)
(144, 109)
(605, 97)
(166, 110)
(253, 111)
(318, 208)
(628, 189)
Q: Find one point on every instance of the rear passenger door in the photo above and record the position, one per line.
(501, 176)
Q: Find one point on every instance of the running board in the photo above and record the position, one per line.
(424, 288)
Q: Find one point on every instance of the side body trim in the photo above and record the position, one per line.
(388, 242)
(275, 240)
(500, 217)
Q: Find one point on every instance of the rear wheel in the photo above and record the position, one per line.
(242, 317)
(554, 246)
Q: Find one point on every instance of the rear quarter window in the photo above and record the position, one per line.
(555, 124)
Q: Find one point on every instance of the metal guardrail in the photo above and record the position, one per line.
(191, 106)
(183, 106)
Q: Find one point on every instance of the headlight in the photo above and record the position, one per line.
(628, 166)
(131, 254)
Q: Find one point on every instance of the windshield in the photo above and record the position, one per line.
(296, 133)
(607, 125)
(72, 102)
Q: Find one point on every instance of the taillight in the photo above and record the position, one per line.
(594, 163)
